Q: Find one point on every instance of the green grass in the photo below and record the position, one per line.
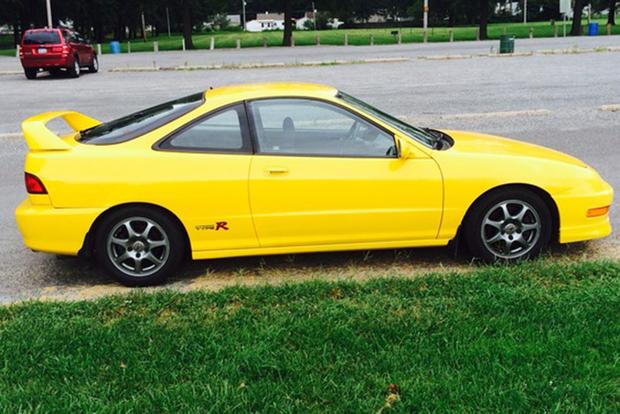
(355, 36)
(533, 338)
(336, 37)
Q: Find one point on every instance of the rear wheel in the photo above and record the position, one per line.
(74, 69)
(139, 246)
(31, 73)
(94, 65)
(508, 225)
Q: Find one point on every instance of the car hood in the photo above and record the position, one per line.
(469, 142)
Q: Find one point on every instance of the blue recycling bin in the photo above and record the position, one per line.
(592, 29)
(115, 47)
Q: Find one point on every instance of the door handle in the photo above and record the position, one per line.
(277, 170)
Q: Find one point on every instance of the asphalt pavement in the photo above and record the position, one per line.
(562, 101)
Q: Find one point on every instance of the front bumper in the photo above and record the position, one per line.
(54, 230)
(575, 225)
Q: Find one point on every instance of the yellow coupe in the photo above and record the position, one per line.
(286, 168)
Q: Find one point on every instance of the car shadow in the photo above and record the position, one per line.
(48, 76)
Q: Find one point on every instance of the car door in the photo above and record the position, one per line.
(322, 175)
(206, 165)
(84, 47)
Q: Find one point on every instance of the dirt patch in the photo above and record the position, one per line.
(214, 275)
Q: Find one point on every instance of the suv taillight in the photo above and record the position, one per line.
(34, 184)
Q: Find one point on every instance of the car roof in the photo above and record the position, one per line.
(262, 90)
(43, 29)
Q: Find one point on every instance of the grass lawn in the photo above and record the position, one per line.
(536, 337)
(336, 37)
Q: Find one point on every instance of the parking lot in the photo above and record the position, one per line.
(569, 102)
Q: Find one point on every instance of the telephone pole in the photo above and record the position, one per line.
(48, 4)
(524, 11)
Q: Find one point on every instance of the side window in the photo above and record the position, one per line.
(223, 131)
(310, 127)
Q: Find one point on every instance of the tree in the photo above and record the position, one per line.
(611, 18)
(484, 18)
(287, 37)
(577, 13)
(186, 6)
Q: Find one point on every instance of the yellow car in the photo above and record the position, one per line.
(286, 168)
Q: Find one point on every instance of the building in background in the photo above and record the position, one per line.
(266, 21)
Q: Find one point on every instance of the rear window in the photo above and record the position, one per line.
(41, 38)
(141, 122)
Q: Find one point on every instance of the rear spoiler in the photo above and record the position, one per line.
(40, 138)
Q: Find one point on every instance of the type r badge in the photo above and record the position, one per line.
(219, 225)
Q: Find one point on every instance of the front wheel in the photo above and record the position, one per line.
(508, 225)
(139, 246)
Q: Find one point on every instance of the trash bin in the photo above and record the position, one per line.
(115, 47)
(593, 29)
(507, 43)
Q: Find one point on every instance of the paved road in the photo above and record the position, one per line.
(549, 100)
(314, 53)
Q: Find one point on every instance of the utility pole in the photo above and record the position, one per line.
(243, 13)
(425, 15)
(48, 4)
(168, 20)
(524, 11)
(313, 16)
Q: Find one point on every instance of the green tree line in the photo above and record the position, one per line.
(122, 19)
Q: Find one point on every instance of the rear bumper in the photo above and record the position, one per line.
(575, 225)
(54, 62)
(54, 230)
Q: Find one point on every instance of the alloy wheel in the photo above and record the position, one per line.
(138, 246)
(511, 229)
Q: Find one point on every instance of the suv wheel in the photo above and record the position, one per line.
(74, 70)
(94, 65)
(139, 246)
(508, 225)
(31, 73)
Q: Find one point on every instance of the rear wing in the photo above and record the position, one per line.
(40, 138)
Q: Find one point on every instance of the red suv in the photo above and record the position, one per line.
(56, 50)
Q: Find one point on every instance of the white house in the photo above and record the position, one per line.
(266, 21)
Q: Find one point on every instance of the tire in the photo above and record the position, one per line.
(519, 231)
(150, 256)
(94, 65)
(31, 73)
(74, 70)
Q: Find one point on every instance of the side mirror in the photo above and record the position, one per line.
(405, 149)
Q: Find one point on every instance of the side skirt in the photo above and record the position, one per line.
(213, 254)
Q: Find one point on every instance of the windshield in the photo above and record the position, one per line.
(41, 38)
(139, 123)
(409, 130)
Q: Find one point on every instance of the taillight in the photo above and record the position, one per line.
(57, 49)
(34, 185)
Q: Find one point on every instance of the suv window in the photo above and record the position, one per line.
(41, 38)
(222, 131)
(74, 37)
(311, 127)
(141, 122)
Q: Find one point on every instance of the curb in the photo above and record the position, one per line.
(257, 65)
